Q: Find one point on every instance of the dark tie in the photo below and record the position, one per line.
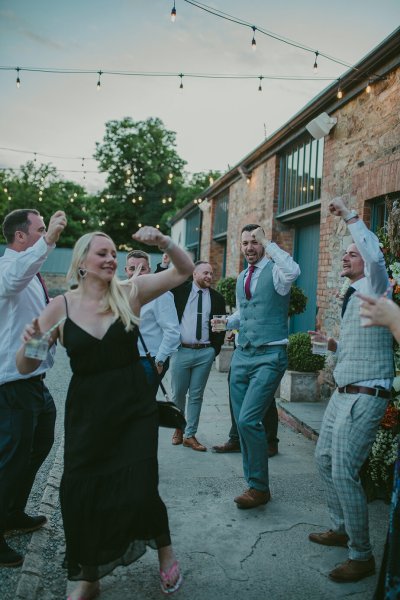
(43, 284)
(347, 296)
(248, 281)
(199, 315)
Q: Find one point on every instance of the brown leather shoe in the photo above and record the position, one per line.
(177, 438)
(353, 570)
(229, 446)
(329, 538)
(272, 450)
(194, 444)
(252, 498)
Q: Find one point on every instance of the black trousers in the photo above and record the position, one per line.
(270, 422)
(27, 419)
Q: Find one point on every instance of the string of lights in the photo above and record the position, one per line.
(59, 156)
(180, 76)
(228, 17)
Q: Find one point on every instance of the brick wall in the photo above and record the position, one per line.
(361, 161)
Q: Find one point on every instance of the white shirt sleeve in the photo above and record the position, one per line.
(374, 261)
(285, 270)
(16, 274)
(167, 319)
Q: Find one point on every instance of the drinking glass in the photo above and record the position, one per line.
(38, 346)
(219, 323)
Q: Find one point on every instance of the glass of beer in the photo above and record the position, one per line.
(219, 323)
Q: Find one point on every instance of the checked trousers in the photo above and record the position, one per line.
(347, 433)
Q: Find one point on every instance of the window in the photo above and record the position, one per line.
(221, 217)
(379, 210)
(192, 239)
(301, 174)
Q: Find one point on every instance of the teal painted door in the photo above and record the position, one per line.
(306, 255)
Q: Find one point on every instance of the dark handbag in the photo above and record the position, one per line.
(169, 415)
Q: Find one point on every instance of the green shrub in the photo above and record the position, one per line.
(227, 287)
(300, 356)
(298, 301)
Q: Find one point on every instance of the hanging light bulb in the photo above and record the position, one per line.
(181, 86)
(253, 41)
(18, 81)
(173, 13)
(98, 81)
(315, 61)
(260, 86)
(339, 94)
(368, 88)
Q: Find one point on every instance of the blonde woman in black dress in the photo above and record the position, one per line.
(110, 504)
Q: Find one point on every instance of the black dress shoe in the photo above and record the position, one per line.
(229, 446)
(23, 523)
(8, 556)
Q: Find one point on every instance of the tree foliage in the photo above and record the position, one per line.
(144, 175)
(40, 187)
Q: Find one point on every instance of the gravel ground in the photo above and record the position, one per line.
(57, 381)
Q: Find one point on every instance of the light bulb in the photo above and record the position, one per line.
(339, 94)
(368, 88)
(181, 85)
(18, 81)
(315, 62)
(173, 13)
(98, 82)
(260, 86)
(253, 41)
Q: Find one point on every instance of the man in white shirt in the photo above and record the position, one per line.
(260, 359)
(196, 302)
(159, 323)
(27, 411)
(364, 376)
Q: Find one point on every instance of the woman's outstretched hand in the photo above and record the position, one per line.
(151, 236)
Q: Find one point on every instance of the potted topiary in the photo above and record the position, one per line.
(299, 383)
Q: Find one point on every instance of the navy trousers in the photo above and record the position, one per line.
(27, 419)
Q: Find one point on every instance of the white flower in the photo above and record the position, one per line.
(395, 268)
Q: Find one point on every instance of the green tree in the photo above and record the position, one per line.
(192, 187)
(144, 175)
(40, 187)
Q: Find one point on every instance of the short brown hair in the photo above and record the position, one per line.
(17, 220)
(138, 254)
(251, 227)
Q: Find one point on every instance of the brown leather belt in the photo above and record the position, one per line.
(196, 346)
(360, 389)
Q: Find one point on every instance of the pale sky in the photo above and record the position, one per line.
(217, 122)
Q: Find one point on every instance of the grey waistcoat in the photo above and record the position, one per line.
(263, 318)
(364, 352)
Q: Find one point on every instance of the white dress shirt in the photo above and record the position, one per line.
(189, 317)
(284, 272)
(21, 300)
(159, 327)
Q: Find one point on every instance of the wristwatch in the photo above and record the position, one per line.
(160, 363)
(352, 215)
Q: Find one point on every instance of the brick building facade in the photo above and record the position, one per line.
(286, 183)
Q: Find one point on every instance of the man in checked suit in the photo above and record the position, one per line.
(196, 302)
(363, 375)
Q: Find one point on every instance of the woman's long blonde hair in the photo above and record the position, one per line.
(115, 299)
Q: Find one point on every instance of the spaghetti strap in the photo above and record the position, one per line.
(66, 304)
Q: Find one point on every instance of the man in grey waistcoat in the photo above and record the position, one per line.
(363, 375)
(260, 359)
